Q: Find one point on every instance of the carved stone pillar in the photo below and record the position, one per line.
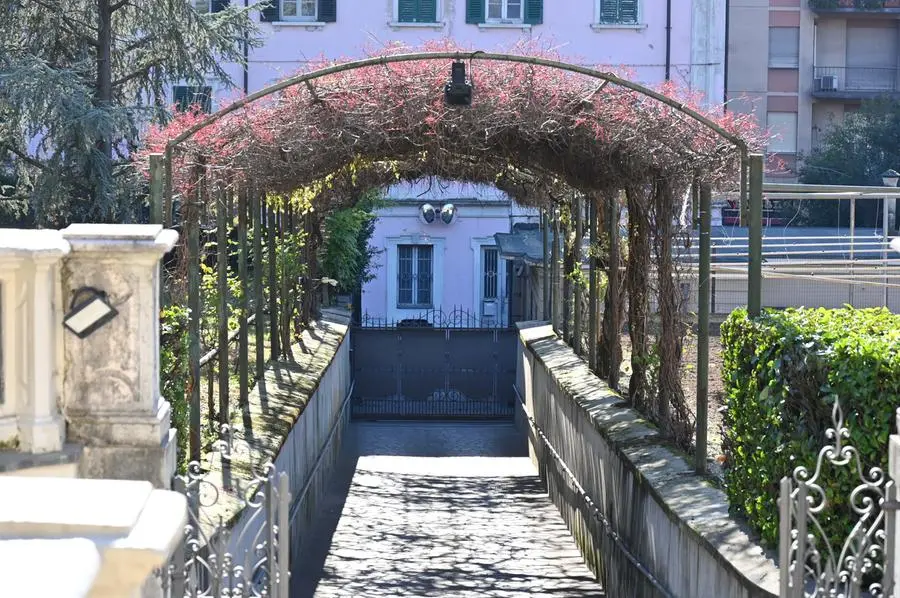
(111, 396)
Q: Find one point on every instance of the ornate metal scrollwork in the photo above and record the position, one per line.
(244, 557)
(811, 565)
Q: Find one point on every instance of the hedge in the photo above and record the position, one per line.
(782, 371)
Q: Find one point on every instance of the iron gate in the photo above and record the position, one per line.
(433, 373)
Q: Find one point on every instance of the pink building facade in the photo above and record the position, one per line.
(437, 265)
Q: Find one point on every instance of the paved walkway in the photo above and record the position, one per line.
(439, 509)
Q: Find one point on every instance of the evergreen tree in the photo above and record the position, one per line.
(854, 152)
(80, 79)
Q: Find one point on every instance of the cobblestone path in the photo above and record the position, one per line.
(439, 509)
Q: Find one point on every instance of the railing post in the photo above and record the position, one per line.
(222, 221)
(784, 535)
(594, 291)
(243, 375)
(576, 251)
(554, 274)
(754, 270)
(545, 274)
(703, 330)
(892, 530)
(271, 234)
(157, 188)
(258, 300)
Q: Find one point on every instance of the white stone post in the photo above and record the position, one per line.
(111, 396)
(30, 420)
(892, 528)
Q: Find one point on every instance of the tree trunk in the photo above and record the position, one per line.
(637, 279)
(103, 97)
(609, 352)
(674, 421)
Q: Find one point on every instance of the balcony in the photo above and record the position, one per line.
(856, 6)
(855, 83)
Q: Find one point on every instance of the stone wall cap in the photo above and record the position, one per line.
(19, 242)
(120, 237)
(65, 507)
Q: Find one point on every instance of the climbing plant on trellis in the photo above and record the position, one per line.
(544, 135)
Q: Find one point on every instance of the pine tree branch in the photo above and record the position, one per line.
(142, 71)
(114, 7)
(25, 157)
(65, 25)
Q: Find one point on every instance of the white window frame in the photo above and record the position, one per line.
(438, 13)
(415, 278)
(392, 267)
(504, 8)
(298, 17)
(598, 26)
(784, 141)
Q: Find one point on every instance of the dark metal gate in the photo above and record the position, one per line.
(433, 373)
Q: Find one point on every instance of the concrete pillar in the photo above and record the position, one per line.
(30, 420)
(111, 396)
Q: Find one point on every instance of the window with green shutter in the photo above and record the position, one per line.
(185, 96)
(475, 11)
(622, 12)
(417, 11)
(324, 11)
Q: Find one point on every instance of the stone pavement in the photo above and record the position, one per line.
(439, 509)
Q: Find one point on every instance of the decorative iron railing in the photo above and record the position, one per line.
(436, 318)
(810, 562)
(249, 557)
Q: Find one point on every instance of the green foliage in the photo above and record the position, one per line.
(347, 255)
(85, 96)
(854, 152)
(173, 353)
(782, 372)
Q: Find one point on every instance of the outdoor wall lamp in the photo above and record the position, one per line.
(458, 91)
(447, 213)
(427, 212)
(890, 177)
(88, 311)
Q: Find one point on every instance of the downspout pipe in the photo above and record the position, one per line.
(668, 40)
(725, 69)
(246, 57)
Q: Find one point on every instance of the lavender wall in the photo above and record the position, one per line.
(569, 27)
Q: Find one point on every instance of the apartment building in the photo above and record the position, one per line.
(438, 250)
(824, 58)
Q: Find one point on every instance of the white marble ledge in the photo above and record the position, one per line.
(133, 527)
(120, 238)
(24, 243)
(58, 568)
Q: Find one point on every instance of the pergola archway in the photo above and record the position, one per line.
(548, 133)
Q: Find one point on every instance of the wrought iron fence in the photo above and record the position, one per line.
(810, 562)
(218, 558)
(457, 317)
(836, 79)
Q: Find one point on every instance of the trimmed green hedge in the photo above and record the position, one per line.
(782, 372)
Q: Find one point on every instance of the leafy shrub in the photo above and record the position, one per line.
(782, 372)
(173, 375)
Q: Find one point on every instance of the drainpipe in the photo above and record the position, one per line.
(246, 58)
(668, 39)
(725, 70)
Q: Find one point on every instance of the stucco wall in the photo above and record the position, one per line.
(671, 520)
(567, 27)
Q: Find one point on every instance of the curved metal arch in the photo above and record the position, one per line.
(476, 55)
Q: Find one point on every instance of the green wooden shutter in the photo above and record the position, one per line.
(628, 11)
(475, 11)
(271, 12)
(407, 11)
(428, 11)
(328, 11)
(619, 11)
(534, 12)
(218, 5)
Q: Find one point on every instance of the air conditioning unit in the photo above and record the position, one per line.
(828, 83)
